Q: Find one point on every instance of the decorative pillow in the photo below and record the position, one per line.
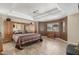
(17, 32)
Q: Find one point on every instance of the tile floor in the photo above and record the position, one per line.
(47, 47)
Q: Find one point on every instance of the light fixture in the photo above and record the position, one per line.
(36, 11)
(8, 19)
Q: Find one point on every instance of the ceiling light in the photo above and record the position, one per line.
(53, 11)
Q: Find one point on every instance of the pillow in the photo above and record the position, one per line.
(17, 32)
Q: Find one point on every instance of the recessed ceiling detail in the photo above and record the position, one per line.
(46, 13)
(38, 11)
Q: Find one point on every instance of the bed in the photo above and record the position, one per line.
(21, 39)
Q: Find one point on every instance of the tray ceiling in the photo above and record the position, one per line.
(38, 11)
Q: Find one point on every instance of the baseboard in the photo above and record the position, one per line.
(73, 43)
(68, 42)
(62, 40)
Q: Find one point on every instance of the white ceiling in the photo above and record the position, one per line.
(43, 11)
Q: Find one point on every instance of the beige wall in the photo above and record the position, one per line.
(30, 27)
(2, 26)
(73, 28)
(42, 28)
(3, 18)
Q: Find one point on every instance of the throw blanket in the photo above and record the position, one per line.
(27, 38)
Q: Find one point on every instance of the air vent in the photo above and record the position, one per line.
(36, 11)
